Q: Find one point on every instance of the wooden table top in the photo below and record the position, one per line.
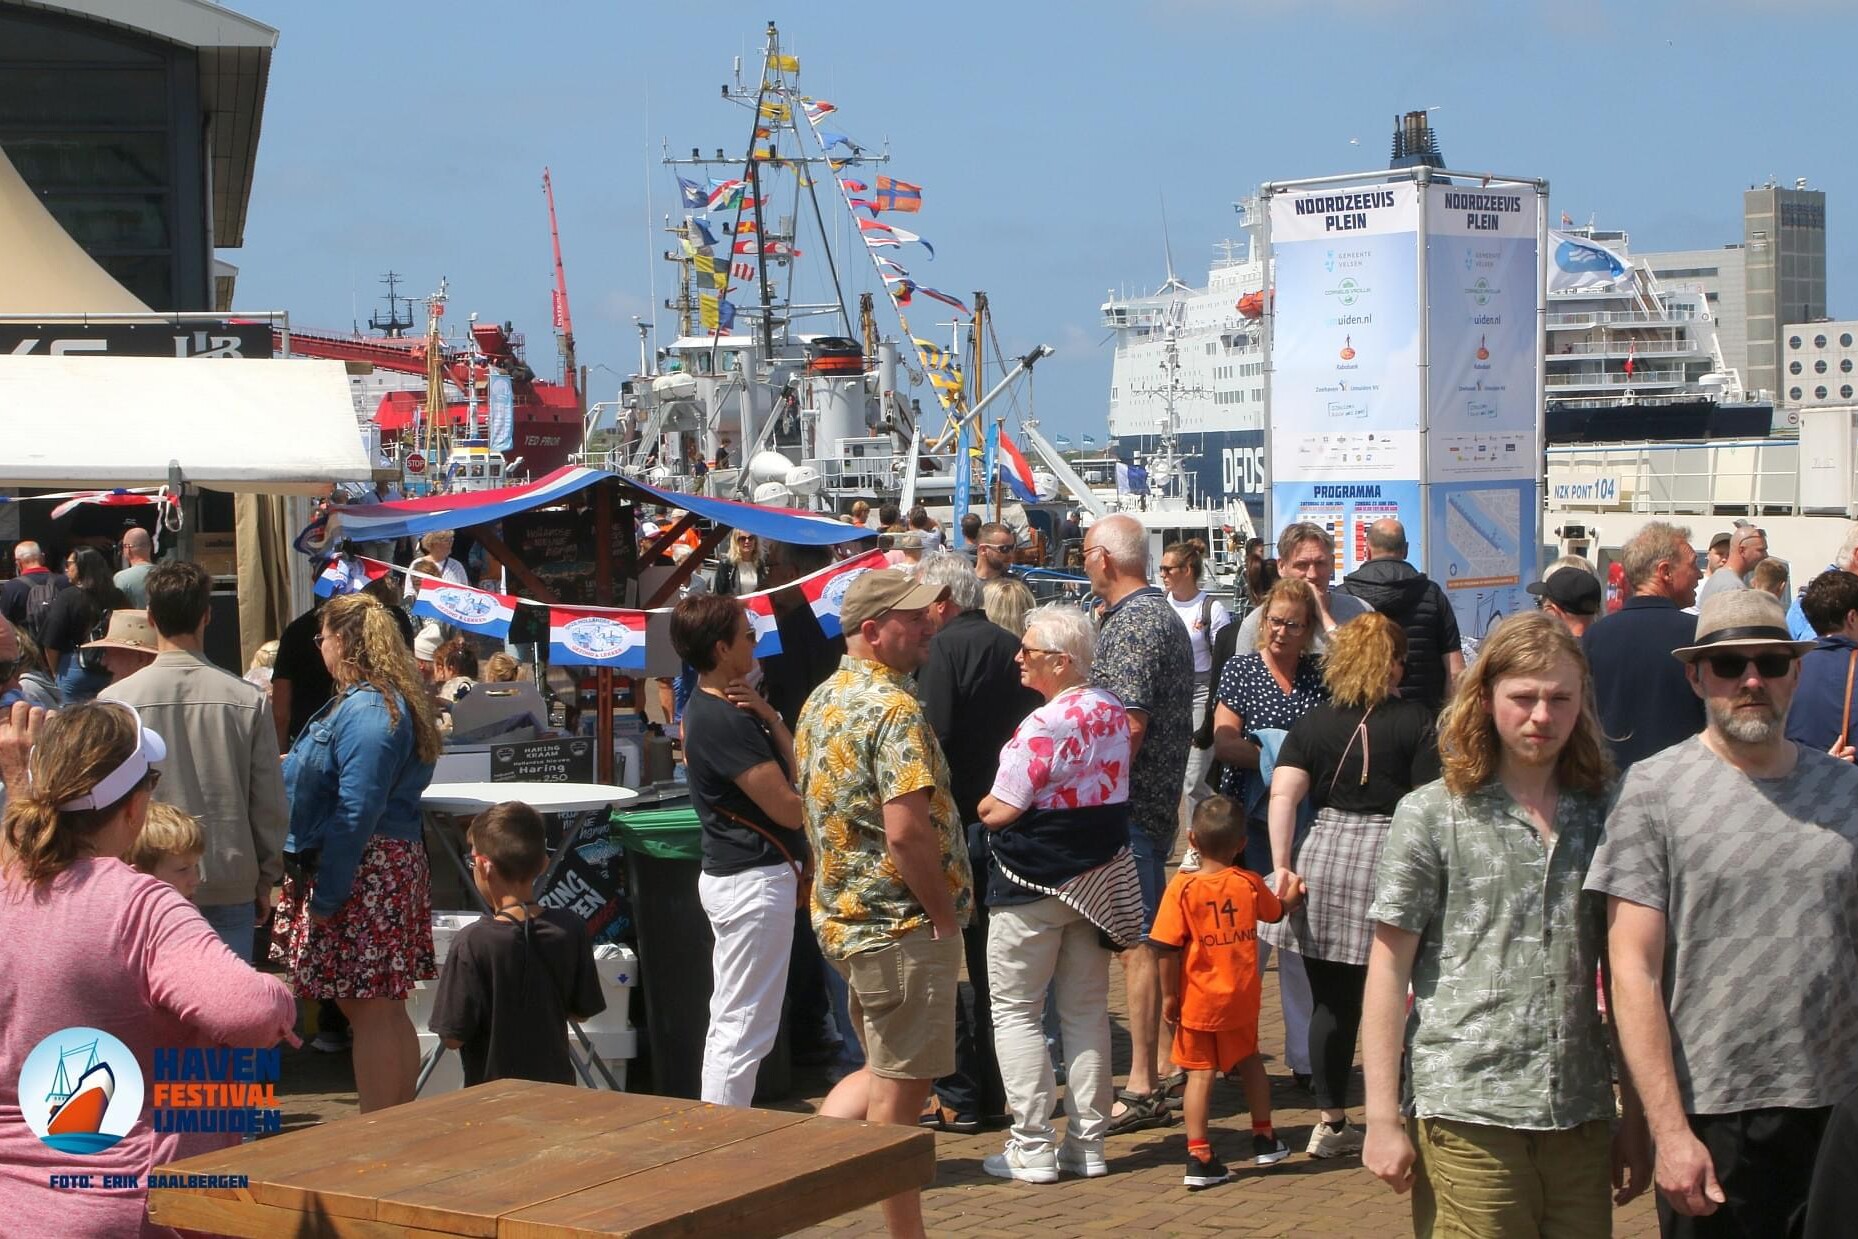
(518, 1160)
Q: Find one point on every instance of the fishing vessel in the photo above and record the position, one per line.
(813, 364)
(78, 1109)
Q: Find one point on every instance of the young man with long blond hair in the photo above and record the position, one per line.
(1479, 906)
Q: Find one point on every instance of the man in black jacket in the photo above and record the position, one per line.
(1644, 700)
(1411, 599)
(972, 697)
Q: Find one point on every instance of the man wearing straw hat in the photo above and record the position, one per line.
(1730, 866)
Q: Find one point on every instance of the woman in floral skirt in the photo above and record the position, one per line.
(355, 922)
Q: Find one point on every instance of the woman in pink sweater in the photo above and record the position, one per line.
(90, 943)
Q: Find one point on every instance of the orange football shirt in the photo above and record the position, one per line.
(1212, 918)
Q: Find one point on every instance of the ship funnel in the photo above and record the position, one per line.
(1414, 143)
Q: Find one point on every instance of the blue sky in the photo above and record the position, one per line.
(1045, 137)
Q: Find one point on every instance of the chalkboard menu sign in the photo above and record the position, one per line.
(567, 760)
(558, 545)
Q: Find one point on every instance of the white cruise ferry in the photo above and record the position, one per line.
(1217, 382)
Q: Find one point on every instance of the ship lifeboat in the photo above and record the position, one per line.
(835, 355)
(1251, 305)
(82, 1112)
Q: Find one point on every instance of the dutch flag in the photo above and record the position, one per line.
(825, 590)
(1014, 470)
(595, 638)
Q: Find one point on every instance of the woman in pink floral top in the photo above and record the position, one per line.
(1060, 882)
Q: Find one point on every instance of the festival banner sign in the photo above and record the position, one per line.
(596, 638)
(1345, 349)
(474, 610)
(825, 590)
(760, 608)
(1481, 265)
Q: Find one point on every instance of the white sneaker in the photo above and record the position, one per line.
(1083, 1163)
(1190, 860)
(1325, 1142)
(1016, 1163)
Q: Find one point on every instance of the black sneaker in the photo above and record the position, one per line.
(1268, 1150)
(1201, 1175)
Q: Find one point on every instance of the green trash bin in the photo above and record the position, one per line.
(664, 850)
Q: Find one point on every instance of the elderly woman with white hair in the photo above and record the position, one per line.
(1061, 879)
(436, 546)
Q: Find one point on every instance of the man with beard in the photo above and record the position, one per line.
(1730, 868)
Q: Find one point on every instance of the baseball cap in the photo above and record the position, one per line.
(1575, 590)
(1721, 539)
(875, 592)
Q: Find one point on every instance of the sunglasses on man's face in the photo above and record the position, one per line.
(1735, 666)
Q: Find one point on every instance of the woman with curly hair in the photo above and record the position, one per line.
(355, 921)
(1354, 757)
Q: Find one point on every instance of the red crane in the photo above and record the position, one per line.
(564, 320)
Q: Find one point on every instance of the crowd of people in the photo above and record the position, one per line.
(1456, 852)
(1586, 891)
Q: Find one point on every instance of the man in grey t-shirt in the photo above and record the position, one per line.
(1306, 550)
(1730, 863)
(1748, 546)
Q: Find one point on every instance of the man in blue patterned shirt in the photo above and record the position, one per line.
(1145, 657)
(1478, 905)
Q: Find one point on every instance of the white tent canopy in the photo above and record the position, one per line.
(238, 425)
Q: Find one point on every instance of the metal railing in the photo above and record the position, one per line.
(1622, 347)
(1641, 376)
(1695, 477)
(1588, 318)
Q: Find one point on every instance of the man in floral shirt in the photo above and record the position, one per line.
(893, 888)
(1145, 657)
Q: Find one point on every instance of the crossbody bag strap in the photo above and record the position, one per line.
(1361, 729)
(1845, 723)
(801, 871)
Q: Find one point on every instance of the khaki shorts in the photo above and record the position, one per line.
(903, 1001)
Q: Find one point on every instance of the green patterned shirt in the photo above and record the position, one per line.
(1505, 1028)
(862, 741)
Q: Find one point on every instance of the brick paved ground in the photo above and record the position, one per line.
(1142, 1192)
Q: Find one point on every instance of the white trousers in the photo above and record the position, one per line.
(1031, 946)
(1194, 787)
(752, 916)
(1293, 995)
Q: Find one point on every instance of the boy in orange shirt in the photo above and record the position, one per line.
(1207, 933)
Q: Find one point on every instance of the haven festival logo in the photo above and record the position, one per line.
(80, 1090)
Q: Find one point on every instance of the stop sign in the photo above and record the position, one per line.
(415, 463)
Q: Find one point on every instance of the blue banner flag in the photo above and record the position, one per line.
(988, 457)
(692, 195)
(500, 393)
(964, 479)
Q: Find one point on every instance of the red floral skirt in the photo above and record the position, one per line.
(378, 944)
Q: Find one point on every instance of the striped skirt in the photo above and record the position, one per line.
(1336, 860)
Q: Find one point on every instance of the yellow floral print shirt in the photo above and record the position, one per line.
(862, 740)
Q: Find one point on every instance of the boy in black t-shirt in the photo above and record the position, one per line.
(514, 979)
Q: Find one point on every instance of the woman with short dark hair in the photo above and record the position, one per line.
(739, 757)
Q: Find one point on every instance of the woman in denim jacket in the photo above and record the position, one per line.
(355, 920)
